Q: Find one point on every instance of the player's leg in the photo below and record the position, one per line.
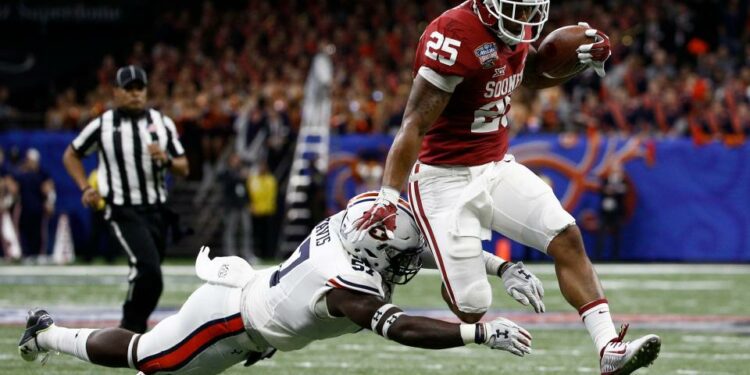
(105, 347)
(578, 281)
(526, 210)
(132, 234)
(465, 287)
(109, 346)
(206, 336)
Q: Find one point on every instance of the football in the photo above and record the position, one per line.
(557, 53)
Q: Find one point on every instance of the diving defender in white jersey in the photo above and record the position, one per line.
(328, 287)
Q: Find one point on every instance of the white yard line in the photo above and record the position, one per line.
(99, 316)
(540, 269)
(640, 284)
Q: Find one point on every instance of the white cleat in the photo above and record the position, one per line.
(623, 357)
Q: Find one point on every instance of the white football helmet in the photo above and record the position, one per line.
(397, 260)
(514, 18)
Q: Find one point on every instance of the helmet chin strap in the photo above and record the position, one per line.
(494, 27)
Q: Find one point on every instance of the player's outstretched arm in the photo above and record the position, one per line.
(426, 102)
(389, 321)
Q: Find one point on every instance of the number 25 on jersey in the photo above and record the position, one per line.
(439, 46)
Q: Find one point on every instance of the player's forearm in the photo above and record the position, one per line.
(389, 321)
(426, 102)
(74, 166)
(426, 333)
(401, 157)
(180, 166)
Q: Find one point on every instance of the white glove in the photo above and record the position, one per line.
(503, 334)
(594, 54)
(523, 286)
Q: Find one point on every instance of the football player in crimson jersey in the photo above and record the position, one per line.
(468, 62)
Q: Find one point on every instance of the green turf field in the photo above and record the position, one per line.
(701, 312)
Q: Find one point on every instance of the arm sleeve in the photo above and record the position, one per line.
(363, 283)
(445, 83)
(88, 140)
(492, 263)
(445, 56)
(174, 147)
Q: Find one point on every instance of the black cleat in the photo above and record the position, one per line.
(37, 321)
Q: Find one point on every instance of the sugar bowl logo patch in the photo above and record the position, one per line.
(487, 54)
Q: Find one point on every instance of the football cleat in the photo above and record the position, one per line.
(37, 321)
(623, 357)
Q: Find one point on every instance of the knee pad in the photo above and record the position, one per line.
(475, 298)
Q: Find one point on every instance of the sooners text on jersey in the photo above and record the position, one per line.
(472, 128)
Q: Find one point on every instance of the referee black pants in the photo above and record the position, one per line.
(141, 233)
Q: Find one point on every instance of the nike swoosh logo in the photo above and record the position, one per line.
(603, 312)
(617, 352)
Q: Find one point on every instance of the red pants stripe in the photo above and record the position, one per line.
(203, 337)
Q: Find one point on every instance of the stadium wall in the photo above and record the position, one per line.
(684, 203)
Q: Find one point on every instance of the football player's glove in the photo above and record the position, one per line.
(503, 334)
(524, 286)
(382, 212)
(594, 54)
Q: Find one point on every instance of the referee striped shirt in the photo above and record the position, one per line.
(127, 175)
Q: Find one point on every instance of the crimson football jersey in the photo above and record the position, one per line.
(472, 129)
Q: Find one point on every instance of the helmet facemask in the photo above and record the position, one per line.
(403, 265)
(515, 21)
(395, 266)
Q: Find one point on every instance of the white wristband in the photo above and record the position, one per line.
(390, 194)
(388, 322)
(379, 314)
(468, 333)
(492, 263)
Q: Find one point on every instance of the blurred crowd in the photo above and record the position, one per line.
(249, 208)
(678, 68)
(27, 201)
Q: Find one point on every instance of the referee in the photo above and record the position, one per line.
(135, 145)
